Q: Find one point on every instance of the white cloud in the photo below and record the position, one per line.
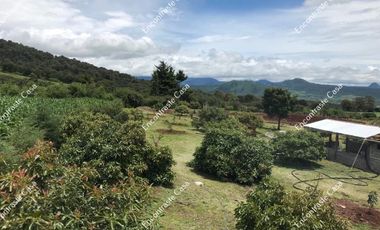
(118, 20)
(218, 38)
(232, 66)
(55, 26)
(373, 68)
(339, 46)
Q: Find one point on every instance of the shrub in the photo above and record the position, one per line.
(10, 89)
(130, 115)
(50, 123)
(251, 121)
(209, 114)
(57, 91)
(181, 110)
(369, 115)
(123, 116)
(227, 124)
(130, 98)
(110, 108)
(372, 199)
(226, 154)
(114, 150)
(270, 207)
(67, 197)
(133, 99)
(302, 145)
(25, 136)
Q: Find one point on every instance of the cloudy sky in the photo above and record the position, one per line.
(337, 40)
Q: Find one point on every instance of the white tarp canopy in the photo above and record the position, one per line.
(345, 128)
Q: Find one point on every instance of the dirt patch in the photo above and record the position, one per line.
(167, 131)
(358, 214)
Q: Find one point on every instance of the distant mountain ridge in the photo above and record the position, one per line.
(298, 86)
(374, 86)
(194, 81)
(34, 64)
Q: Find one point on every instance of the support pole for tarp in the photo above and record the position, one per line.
(357, 155)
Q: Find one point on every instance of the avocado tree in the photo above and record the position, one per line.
(251, 121)
(300, 145)
(209, 114)
(270, 206)
(228, 154)
(181, 110)
(278, 103)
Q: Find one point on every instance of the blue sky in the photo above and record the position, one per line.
(224, 39)
(238, 6)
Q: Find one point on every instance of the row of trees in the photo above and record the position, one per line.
(231, 151)
(95, 175)
(359, 104)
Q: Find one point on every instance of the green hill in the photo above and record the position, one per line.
(300, 87)
(27, 61)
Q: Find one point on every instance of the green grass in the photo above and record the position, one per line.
(12, 75)
(353, 189)
(197, 207)
(212, 206)
(17, 78)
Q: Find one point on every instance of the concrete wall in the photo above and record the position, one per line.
(372, 155)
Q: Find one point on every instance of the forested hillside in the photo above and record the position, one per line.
(27, 61)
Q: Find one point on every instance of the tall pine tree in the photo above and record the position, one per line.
(165, 81)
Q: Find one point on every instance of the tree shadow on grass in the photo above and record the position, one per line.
(209, 176)
(298, 164)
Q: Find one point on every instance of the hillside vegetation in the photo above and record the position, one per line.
(300, 87)
(83, 147)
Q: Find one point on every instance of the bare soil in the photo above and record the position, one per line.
(357, 213)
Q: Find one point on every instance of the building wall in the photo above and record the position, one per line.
(372, 156)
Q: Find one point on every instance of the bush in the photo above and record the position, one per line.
(58, 197)
(114, 150)
(57, 91)
(209, 114)
(50, 123)
(10, 90)
(227, 124)
(25, 136)
(301, 145)
(123, 116)
(110, 108)
(181, 110)
(130, 115)
(270, 207)
(369, 115)
(251, 121)
(133, 99)
(372, 199)
(226, 154)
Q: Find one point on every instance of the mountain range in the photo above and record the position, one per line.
(302, 88)
(35, 64)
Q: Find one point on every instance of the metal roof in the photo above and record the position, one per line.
(345, 128)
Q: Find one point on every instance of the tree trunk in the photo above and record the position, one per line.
(279, 124)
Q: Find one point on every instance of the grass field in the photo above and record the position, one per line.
(11, 75)
(212, 206)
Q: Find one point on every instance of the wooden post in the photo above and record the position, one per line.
(337, 140)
